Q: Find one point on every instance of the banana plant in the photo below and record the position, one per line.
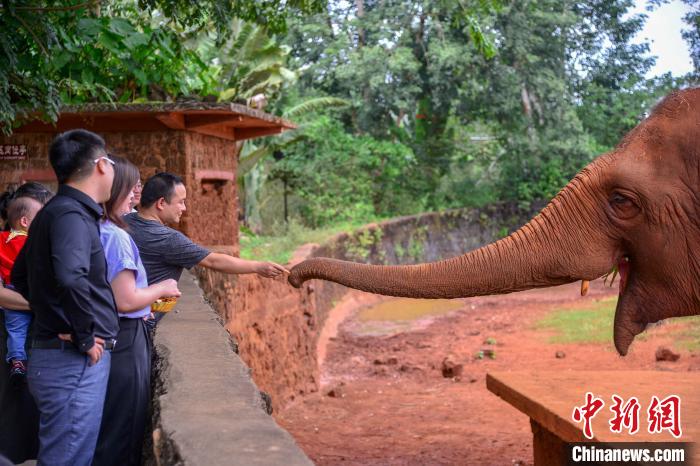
(251, 63)
(250, 177)
(251, 154)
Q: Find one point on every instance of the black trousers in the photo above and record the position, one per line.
(127, 402)
(19, 417)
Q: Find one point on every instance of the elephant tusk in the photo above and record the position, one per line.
(584, 287)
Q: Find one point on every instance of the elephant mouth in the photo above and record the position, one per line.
(623, 267)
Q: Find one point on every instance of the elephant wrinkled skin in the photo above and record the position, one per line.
(635, 208)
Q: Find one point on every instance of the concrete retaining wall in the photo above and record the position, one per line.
(207, 409)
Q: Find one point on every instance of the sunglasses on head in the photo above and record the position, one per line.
(104, 157)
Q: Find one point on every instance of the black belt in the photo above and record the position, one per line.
(125, 321)
(57, 343)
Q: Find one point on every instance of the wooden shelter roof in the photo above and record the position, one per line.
(226, 120)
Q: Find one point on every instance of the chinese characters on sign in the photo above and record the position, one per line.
(661, 415)
(13, 152)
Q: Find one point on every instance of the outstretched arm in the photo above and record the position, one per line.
(229, 264)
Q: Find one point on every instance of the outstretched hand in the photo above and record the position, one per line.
(270, 269)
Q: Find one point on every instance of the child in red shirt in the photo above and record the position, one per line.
(20, 213)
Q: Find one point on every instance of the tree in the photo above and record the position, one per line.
(124, 50)
(510, 109)
(345, 177)
(401, 64)
(248, 63)
(250, 172)
(692, 34)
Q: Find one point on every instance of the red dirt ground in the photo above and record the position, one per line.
(389, 403)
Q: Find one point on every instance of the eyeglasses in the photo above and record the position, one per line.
(104, 157)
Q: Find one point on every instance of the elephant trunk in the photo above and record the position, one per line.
(563, 243)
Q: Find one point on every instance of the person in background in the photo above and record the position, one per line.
(19, 422)
(137, 196)
(30, 189)
(128, 392)
(20, 214)
(62, 273)
(166, 252)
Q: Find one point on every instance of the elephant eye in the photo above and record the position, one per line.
(623, 206)
(619, 199)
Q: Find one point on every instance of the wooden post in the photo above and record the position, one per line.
(548, 449)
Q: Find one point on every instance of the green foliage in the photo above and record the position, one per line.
(342, 177)
(692, 33)
(402, 105)
(65, 52)
(283, 239)
(589, 324)
(124, 60)
(248, 63)
(252, 153)
(416, 243)
(400, 251)
(690, 336)
(592, 323)
(483, 123)
(202, 14)
(401, 64)
(364, 242)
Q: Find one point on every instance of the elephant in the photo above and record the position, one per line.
(634, 209)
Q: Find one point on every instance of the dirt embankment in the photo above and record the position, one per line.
(397, 395)
(277, 327)
(408, 394)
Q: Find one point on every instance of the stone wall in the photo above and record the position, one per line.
(207, 410)
(212, 200)
(212, 217)
(276, 327)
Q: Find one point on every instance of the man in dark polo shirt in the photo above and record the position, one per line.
(165, 251)
(61, 271)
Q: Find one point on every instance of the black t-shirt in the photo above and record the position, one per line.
(164, 251)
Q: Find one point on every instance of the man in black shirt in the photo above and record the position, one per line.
(61, 271)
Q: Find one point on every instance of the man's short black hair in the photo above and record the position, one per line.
(72, 154)
(157, 186)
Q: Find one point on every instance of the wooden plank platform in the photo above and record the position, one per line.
(549, 399)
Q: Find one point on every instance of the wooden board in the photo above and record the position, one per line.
(549, 398)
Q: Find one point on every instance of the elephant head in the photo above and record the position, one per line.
(635, 208)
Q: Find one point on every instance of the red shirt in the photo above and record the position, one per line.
(11, 242)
